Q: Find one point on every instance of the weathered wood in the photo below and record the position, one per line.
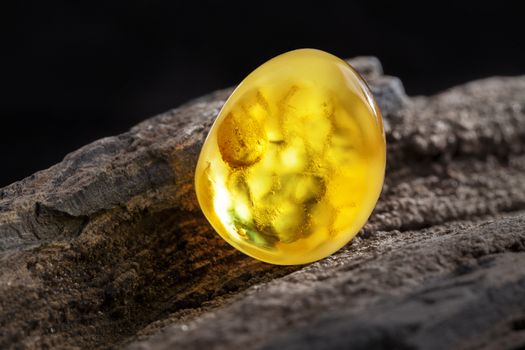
(108, 247)
(452, 286)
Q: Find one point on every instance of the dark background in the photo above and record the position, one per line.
(71, 73)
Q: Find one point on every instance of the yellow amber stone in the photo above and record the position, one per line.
(294, 163)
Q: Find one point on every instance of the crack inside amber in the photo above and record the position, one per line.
(294, 163)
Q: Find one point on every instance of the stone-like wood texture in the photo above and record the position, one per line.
(109, 249)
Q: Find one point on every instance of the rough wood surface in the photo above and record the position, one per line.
(108, 248)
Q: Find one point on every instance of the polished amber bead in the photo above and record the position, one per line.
(294, 163)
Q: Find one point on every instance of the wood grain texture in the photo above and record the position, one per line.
(108, 249)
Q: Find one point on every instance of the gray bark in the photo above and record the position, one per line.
(108, 249)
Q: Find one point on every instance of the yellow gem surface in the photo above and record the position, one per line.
(294, 163)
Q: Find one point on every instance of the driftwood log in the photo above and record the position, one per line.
(108, 249)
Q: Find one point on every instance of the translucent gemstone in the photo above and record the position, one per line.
(294, 163)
